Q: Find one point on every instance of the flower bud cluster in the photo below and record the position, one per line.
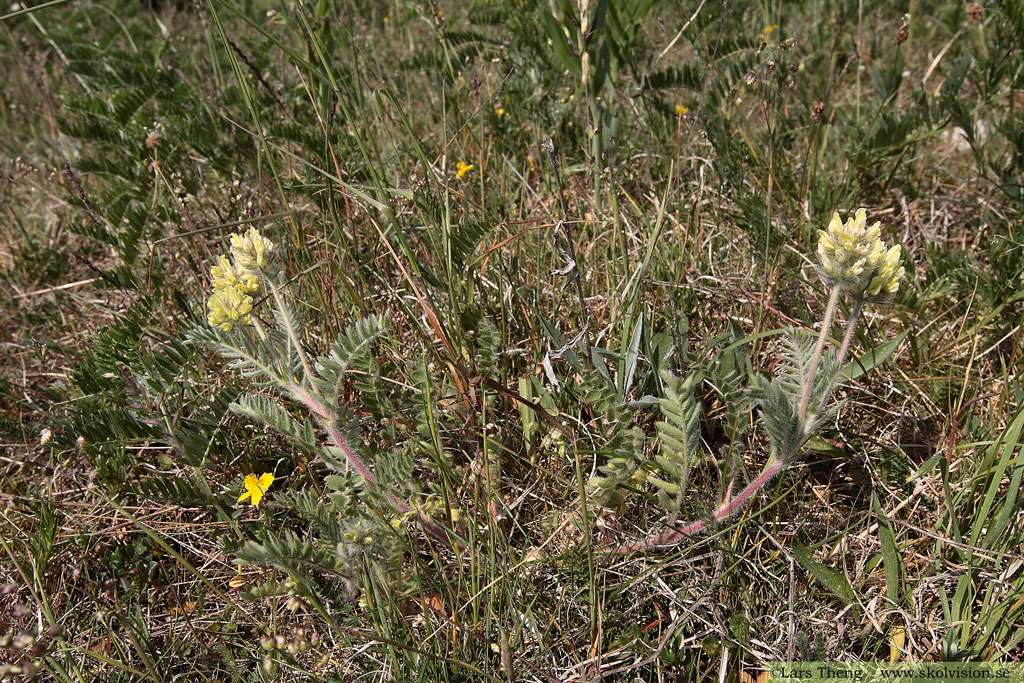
(854, 256)
(236, 281)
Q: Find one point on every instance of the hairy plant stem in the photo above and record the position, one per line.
(328, 419)
(734, 504)
(851, 324)
(858, 306)
(292, 334)
(826, 327)
(727, 509)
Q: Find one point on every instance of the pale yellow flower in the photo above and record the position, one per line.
(229, 306)
(845, 251)
(854, 256)
(226, 275)
(252, 251)
(462, 168)
(885, 278)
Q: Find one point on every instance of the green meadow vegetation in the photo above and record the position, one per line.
(509, 340)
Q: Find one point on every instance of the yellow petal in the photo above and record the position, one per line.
(257, 495)
(835, 226)
(244, 496)
(266, 479)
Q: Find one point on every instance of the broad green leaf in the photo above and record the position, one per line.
(870, 360)
(890, 559)
(832, 579)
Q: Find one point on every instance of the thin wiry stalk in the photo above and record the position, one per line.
(858, 306)
(575, 271)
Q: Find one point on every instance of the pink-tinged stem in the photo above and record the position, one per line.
(310, 401)
(329, 422)
(350, 455)
(854, 314)
(667, 537)
(731, 507)
(724, 511)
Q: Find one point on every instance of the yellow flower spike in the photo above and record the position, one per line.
(847, 251)
(255, 487)
(854, 256)
(885, 277)
(225, 275)
(229, 306)
(252, 251)
(462, 168)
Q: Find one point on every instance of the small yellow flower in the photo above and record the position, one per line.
(767, 31)
(229, 306)
(499, 111)
(252, 251)
(681, 109)
(462, 168)
(255, 487)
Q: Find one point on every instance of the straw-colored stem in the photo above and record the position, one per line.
(851, 324)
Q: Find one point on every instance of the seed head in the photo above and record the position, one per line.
(817, 110)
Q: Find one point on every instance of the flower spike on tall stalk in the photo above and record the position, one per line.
(253, 269)
(853, 260)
